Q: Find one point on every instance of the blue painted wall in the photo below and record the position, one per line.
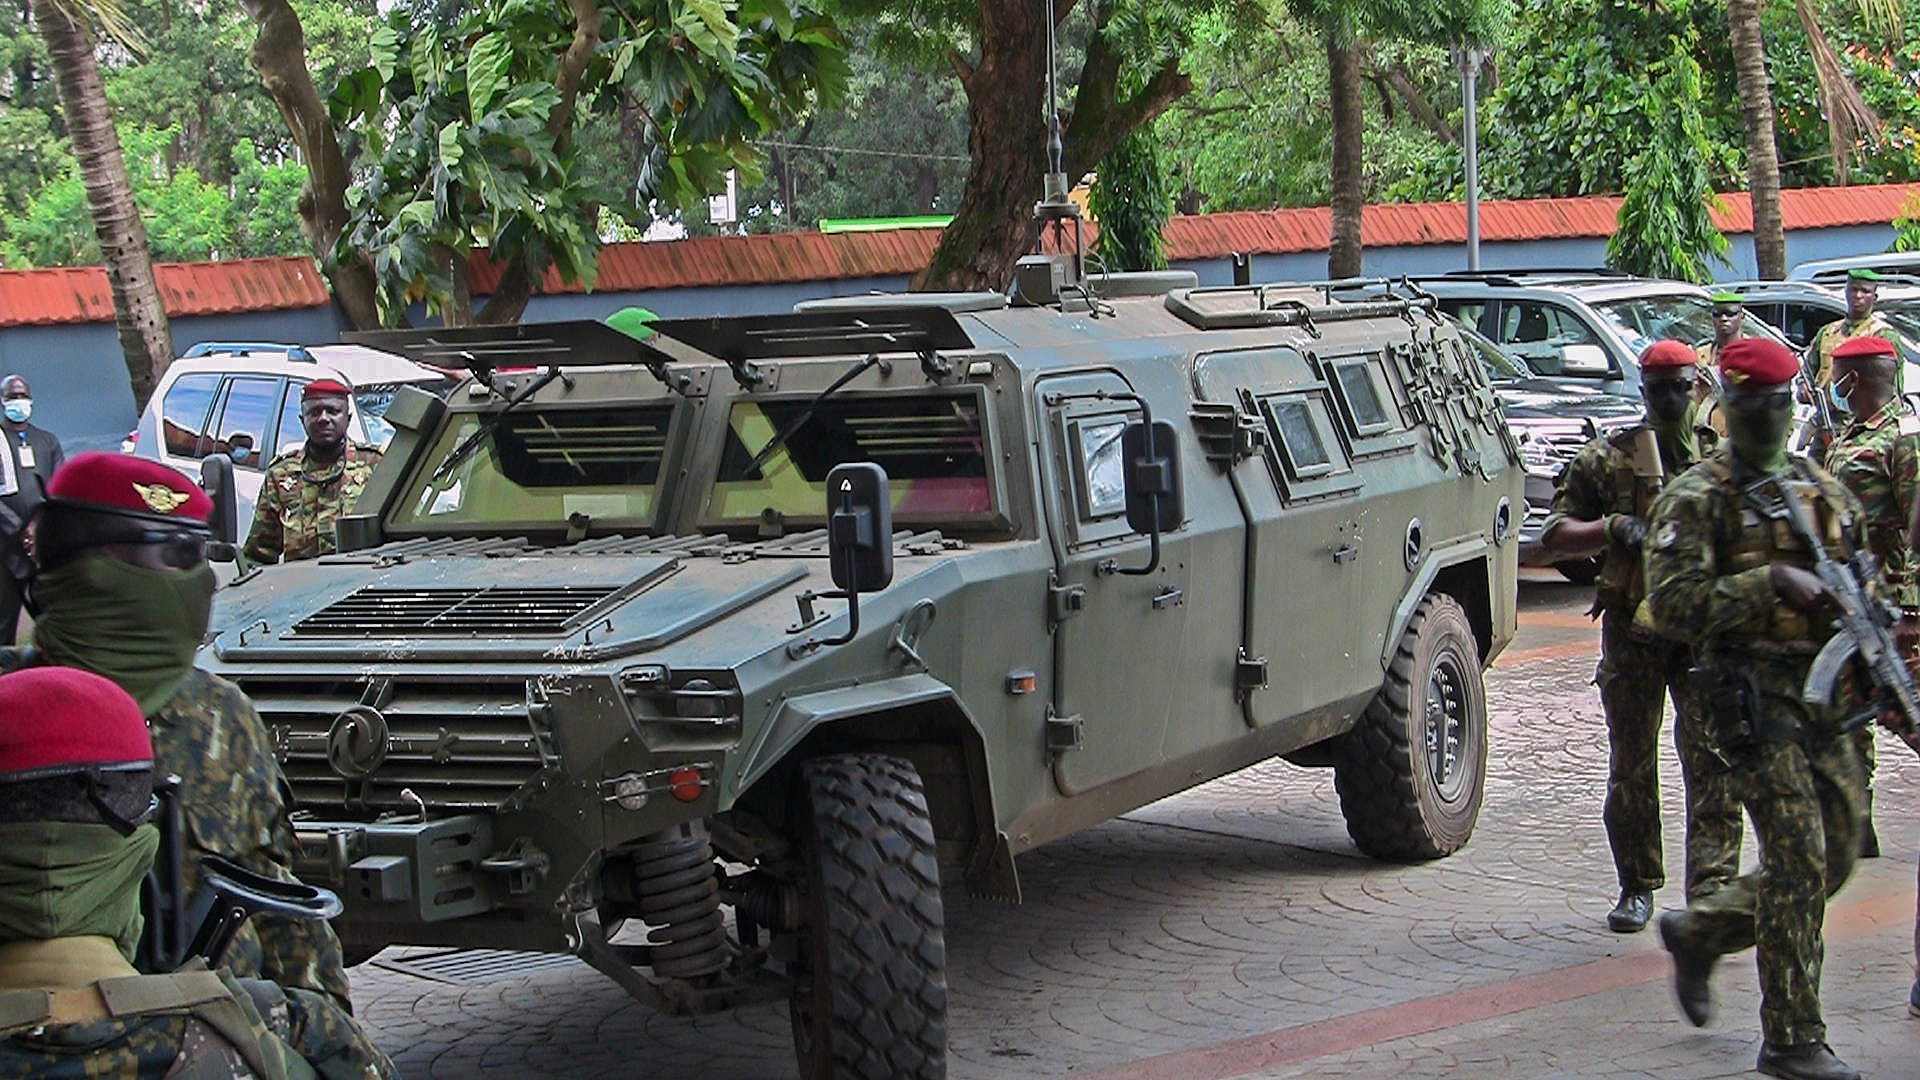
(81, 391)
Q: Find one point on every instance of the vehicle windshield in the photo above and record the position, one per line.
(1497, 364)
(932, 446)
(1642, 320)
(536, 469)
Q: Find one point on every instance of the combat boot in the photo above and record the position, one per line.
(1630, 915)
(1913, 1000)
(1812, 1061)
(1691, 971)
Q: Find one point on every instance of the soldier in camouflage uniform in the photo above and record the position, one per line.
(76, 793)
(122, 589)
(1738, 586)
(1877, 456)
(1863, 289)
(1601, 507)
(306, 490)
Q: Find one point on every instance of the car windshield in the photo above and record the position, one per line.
(932, 447)
(1498, 365)
(373, 400)
(537, 469)
(1642, 320)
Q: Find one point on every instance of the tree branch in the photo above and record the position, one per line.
(1395, 75)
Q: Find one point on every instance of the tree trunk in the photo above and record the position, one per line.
(1347, 196)
(279, 54)
(1756, 115)
(145, 337)
(1007, 137)
(1006, 142)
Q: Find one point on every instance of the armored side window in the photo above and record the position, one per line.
(1101, 474)
(1367, 405)
(1307, 453)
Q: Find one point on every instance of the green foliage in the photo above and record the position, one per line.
(1131, 199)
(461, 135)
(188, 218)
(1906, 227)
(1664, 228)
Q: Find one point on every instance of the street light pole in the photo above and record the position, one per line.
(1471, 57)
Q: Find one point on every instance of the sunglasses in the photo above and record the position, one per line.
(1750, 404)
(182, 549)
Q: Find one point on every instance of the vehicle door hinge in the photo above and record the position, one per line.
(1249, 672)
(1064, 601)
(1064, 733)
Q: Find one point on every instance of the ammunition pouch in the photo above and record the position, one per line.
(1736, 713)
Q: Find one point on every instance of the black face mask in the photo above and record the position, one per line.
(1668, 399)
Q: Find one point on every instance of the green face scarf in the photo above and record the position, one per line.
(1760, 438)
(136, 626)
(1679, 440)
(61, 879)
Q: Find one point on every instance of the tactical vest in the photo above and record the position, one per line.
(197, 993)
(1637, 471)
(1762, 542)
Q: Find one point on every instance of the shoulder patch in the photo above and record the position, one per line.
(1909, 423)
(1667, 535)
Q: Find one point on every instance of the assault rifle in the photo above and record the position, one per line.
(1863, 629)
(228, 895)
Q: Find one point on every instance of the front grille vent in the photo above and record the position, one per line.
(495, 611)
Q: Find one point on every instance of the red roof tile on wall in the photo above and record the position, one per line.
(80, 294)
(42, 297)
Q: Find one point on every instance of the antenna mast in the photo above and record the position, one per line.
(1040, 278)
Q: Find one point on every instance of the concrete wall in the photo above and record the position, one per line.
(81, 391)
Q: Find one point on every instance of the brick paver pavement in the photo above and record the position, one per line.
(1233, 930)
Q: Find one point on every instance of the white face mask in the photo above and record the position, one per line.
(19, 409)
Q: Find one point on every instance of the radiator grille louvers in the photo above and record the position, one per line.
(493, 611)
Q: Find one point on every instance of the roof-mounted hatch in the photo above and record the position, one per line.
(1239, 307)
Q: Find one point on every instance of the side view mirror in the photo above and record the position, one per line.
(1584, 360)
(216, 476)
(1151, 450)
(859, 528)
(859, 549)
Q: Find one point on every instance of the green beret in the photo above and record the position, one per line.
(1729, 298)
(1861, 273)
(635, 322)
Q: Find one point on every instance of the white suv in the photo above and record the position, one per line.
(243, 400)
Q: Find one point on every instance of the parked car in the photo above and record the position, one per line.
(1550, 420)
(1834, 271)
(242, 399)
(1584, 327)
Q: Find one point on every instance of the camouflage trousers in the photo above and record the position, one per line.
(1806, 803)
(319, 1030)
(1637, 676)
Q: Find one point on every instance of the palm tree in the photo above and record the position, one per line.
(65, 26)
(1848, 116)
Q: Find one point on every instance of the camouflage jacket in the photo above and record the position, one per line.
(234, 803)
(293, 518)
(1842, 329)
(1878, 459)
(1708, 556)
(214, 1029)
(1602, 479)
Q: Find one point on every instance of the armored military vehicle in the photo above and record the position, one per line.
(710, 658)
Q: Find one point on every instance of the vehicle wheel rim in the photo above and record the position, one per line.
(1446, 727)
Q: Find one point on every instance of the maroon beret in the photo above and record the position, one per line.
(1666, 354)
(1759, 361)
(56, 720)
(1871, 345)
(325, 388)
(135, 487)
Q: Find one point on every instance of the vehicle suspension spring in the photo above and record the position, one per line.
(679, 897)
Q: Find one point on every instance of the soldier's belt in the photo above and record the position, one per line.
(108, 999)
(1763, 649)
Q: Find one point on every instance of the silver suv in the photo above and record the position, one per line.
(1586, 327)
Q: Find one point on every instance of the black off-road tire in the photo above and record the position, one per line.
(1412, 772)
(1580, 571)
(870, 990)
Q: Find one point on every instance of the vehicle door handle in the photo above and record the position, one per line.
(1346, 553)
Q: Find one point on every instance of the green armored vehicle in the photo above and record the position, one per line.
(608, 666)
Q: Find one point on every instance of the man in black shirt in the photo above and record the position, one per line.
(32, 454)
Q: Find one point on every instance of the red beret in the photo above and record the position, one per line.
(1760, 361)
(136, 487)
(325, 388)
(56, 720)
(1666, 354)
(1870, 345)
